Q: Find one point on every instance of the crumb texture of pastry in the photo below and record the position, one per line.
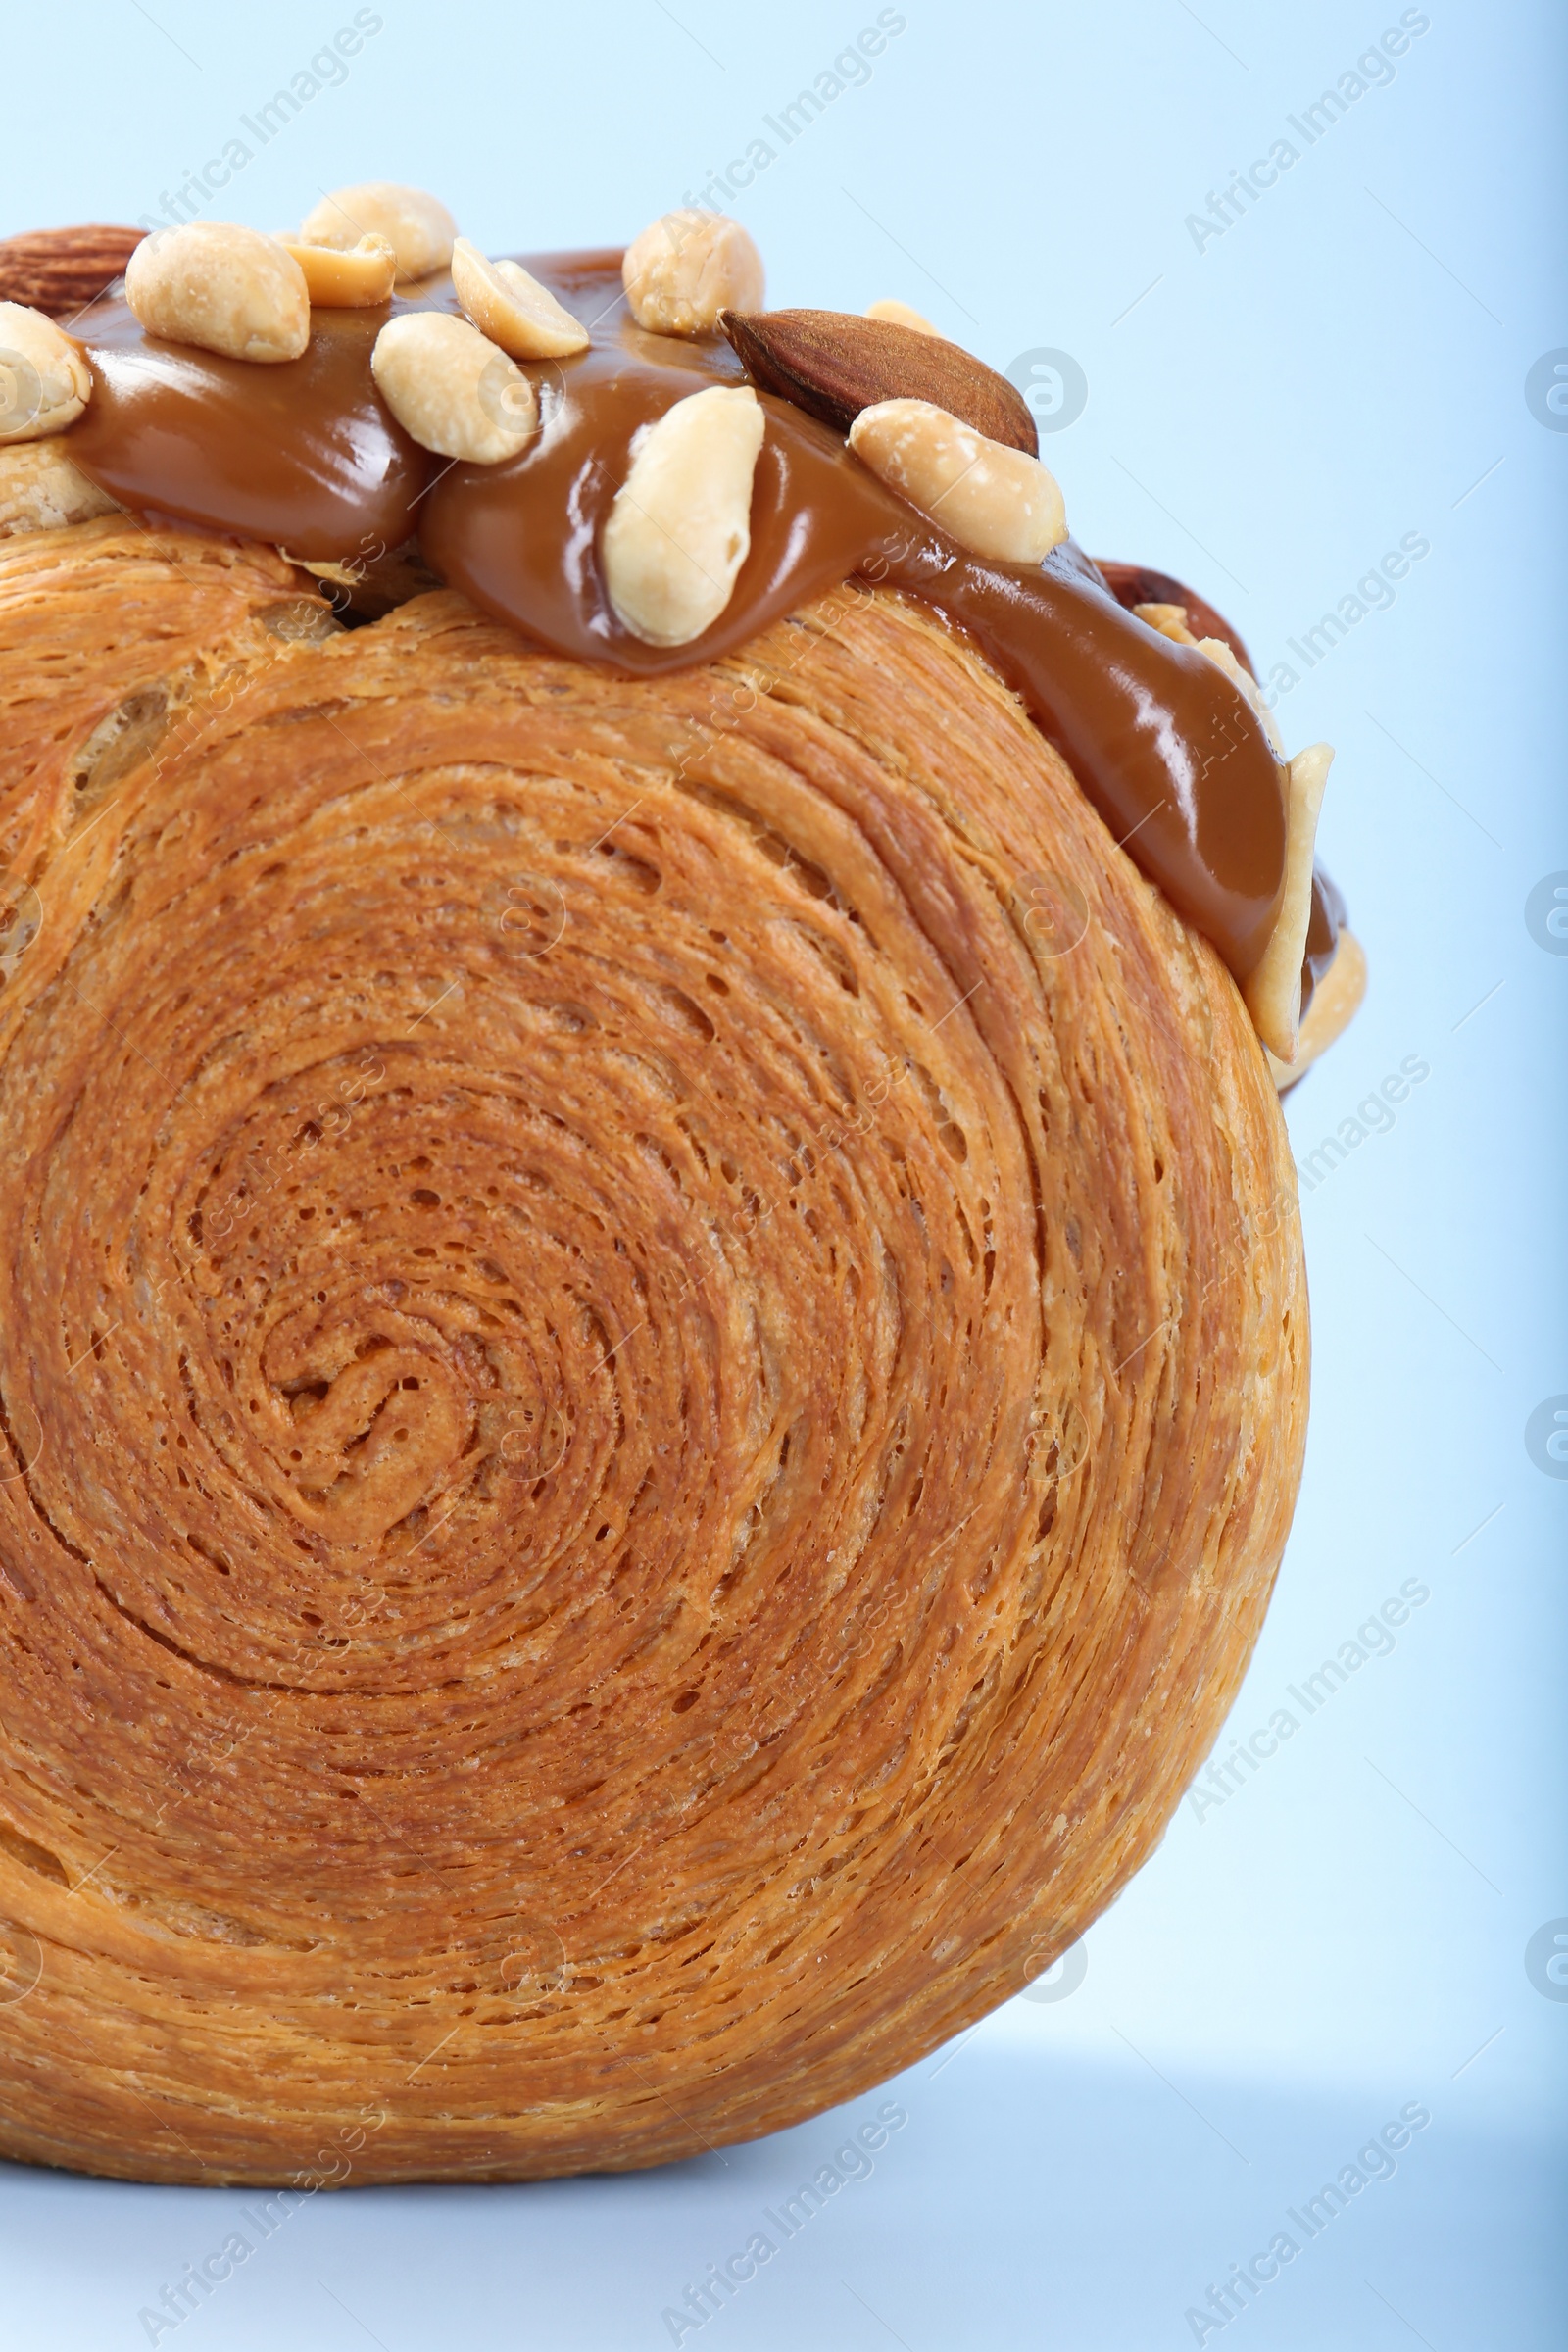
(653, 1369)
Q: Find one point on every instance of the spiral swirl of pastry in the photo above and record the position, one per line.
(653, 1354)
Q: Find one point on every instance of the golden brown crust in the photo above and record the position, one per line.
(842, 1227)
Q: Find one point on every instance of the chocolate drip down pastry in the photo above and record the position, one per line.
(653, 1343)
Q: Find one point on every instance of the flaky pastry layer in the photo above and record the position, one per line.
(654, 1369)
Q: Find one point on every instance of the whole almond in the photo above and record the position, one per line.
(60, 270)
(833, 364)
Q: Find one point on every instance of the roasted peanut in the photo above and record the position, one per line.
(356, 280)
(45, 383)
(680, 527)
(513, 309)
(686, 268)
(222, 288)
(1167, 620)
(417, 226)
(452, 390)
(899, 313)
(1336, 1002)
(1273, 989)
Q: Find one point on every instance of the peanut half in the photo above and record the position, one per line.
(222, 288)
(1273, 988)
(1167, 620)
(1336, 1000)
(356, 280)
(417, 225)
(686, 268)
(452, 391)
(513, 309)
(994, 501)
(680, 527)
(44, 380)
(899, 313)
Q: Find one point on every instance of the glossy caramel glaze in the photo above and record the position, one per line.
(1134, 584)
(304, 453)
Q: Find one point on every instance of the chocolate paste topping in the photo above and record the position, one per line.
(301, 452)
(304, 453)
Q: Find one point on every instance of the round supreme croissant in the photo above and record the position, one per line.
(653, 1340)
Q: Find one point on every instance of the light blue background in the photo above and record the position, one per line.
(1267, 416)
